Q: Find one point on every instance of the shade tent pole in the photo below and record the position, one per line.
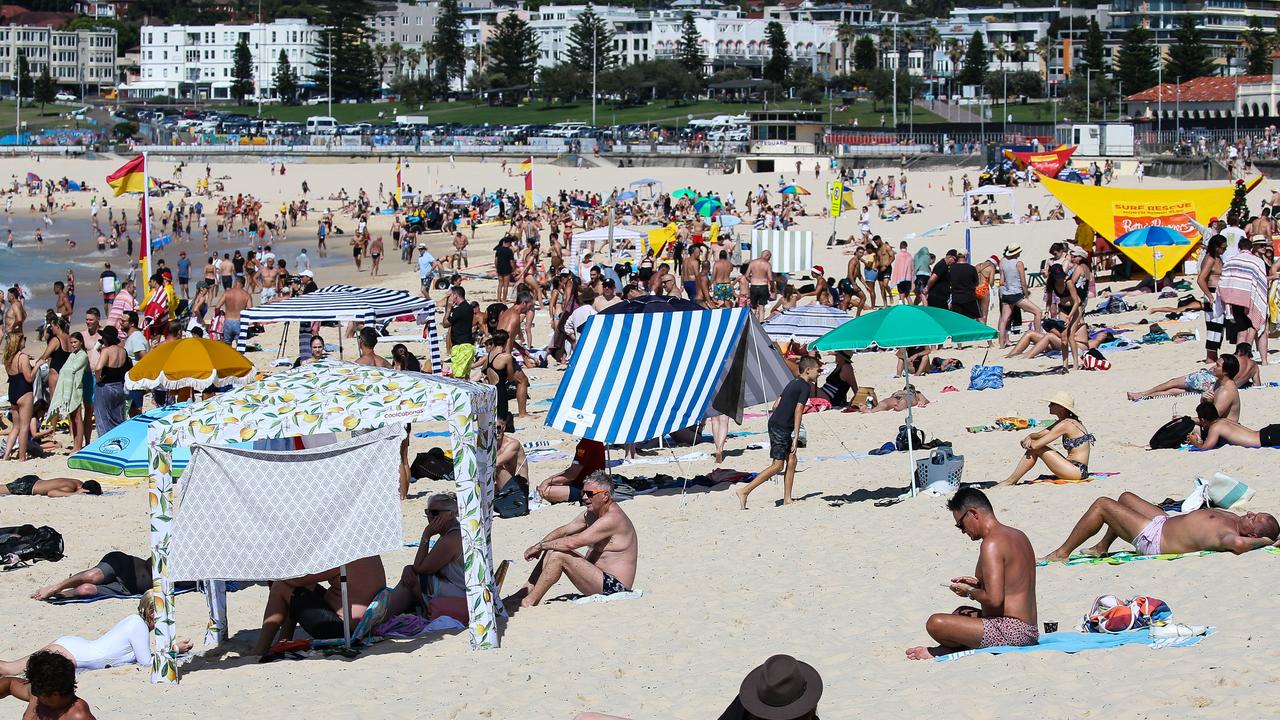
(346, 608)
(911, 449)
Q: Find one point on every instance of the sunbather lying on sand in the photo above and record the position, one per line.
(1153, 531)
(1215, 431)
(896, 401)
(1243, 373)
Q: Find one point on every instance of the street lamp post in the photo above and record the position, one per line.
(1159, 95)
(595, 44)
(262, 41)
(1004, 128)
(1177, 111)
(328, 39)
(895, 74)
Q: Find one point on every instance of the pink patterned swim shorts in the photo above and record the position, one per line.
(1008, 631)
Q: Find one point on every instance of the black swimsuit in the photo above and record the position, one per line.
(58, 358)
(19, 385)
(504, 391)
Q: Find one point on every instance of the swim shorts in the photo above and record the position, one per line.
(904, 288)
(1199, 381)
(460, 358)
(722, 291)
(1000, 631)
(611, 585)
(123, 574)
(690, 289)
(779, 444)
(759, 295)
(23, 485)
(1269, 436)
(1147, 542)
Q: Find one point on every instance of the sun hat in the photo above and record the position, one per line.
(1079, 251)
(1011, 251)
(782, 688)
(1064, 400)
(308, 273)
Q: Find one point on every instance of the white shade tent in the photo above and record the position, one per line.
(992, 191)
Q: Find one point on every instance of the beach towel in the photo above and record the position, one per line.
(615, 597)
(1243, 283)
(1069, 641)
(179, 589)
(1125, 556)
(403, 627)
(1260, 386)
(1052, 480)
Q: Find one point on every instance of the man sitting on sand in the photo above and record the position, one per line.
(567, 486)
(302, 601)
(1215, 431)
(511, 462)
(49, 690)
(51, 487)
(610, 539)
(1004, 585)
(1154, 532)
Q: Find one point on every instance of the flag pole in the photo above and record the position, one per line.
(145, 226)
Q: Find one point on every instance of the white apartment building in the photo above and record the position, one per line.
(196, 61)
(552, 24)
(80, 60)
(736, 41)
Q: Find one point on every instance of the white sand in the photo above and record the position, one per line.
(833, 580)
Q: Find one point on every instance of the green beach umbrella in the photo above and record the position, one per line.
(903, 326)
(707, 206)
(684, 193)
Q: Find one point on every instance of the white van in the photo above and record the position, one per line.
(321, 125)
(566, 129)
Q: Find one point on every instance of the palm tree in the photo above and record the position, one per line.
(846, 35)
(932, 39)
(954, 51)
(380, 55)
(396, 52)
(1044, 48)
(885, 38)
(906, 41)
(412, 57)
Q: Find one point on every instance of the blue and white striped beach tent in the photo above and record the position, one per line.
(345, 303)
(634, 377)
(805, 322)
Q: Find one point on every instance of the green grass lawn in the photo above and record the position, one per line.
(35, 118)
(469, 113)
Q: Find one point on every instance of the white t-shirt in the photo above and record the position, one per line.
(1233, 236)
(135, 344)
(578, 318)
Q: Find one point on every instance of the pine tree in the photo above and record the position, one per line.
(1188, 55)
(864, 53)
(1258, 44)
(513, 51)
(344, 46)
(779, 64)
(974, 70)
(45, 90)
(27, 86)
(446, 44)
(1094, 54)
(690, 54)
(1135, 61)
(1238, 213)
(591, 37)
(241, 71)
(286, 80)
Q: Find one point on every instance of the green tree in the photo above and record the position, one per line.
(45, 90)
(344, 45)
(562, 82)
(451, 60)
(241, 71)
(1188, 55)
(513, 51)
(26, 86)
(974, 70)
(778, 65)
(1258, 44)
(591, 41)
(1094, 54)
(286, 80)
(690, 53)
(1019, 82)
(846, 35)
(864, 53)
(1136, 58)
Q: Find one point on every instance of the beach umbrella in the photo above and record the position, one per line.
(728, 221)
(904, 326)
(684, 193)
(795, 190)
(195, 363)
(123, 449)
(805, 323)
(627, 195)
(707, 206)
(1155, 248)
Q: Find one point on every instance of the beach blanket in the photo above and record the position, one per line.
(1125, 556)
(403, 627)
(1053, 480)
(658, 460)
(1243, 283)
(179, 589)
(1262, 386)
(615, 597)
(1068, 641)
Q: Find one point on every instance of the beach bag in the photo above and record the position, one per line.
(1172, 434)
(433, 464)
(28, 543)
(1110, 614)
(986, 377)
(512, 500)
(1224, 491)
(917, 438)
(939, 474)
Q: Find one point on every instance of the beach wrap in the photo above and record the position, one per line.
(1244, 283)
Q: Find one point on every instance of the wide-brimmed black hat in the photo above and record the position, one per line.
(783, 688)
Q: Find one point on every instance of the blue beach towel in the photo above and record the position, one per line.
(1069, 641)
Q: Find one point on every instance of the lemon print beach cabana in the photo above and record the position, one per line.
(313, 508)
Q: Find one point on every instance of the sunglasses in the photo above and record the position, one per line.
(588, 494)
(431, 512)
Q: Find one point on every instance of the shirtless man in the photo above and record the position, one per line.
(51, 487)
(612, 547)
(1225, 395)
(49, 689)
(368, 340)
(62, 305)
(760, 282)
(1004, 585)
(1153, 531)
(511, 462)
(722, 294)
(319, 610)
(1205, 380)
(511, 320)
(233, 302)
(689, 273)
(458, 258)
(1215, 431)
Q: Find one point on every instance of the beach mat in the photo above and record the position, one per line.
(1052, 480)
(1189, 393)
(1068, 641)
(183, 589)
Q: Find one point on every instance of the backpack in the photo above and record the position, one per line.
(917, 438)
(512, 500)
(432, 464)
(1110, 614)
(1172, 434)
(27, 543)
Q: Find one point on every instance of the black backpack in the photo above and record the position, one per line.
(432, 464)
(1172, 434)
(28, 543)
(512, 500)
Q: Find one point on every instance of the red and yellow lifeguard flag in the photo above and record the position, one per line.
(131, 177)
(526, 167)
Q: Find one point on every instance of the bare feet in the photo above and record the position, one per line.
(45, 593)
(921, 652)
(1094, 551)
(719, 457)
(1056, 556)
(742, 497)
(787, 501)
(1134, 396)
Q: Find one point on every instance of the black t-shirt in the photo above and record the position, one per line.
(504, 260)
(795, 393)
(941, 289)
(460, 321)
(964, 283)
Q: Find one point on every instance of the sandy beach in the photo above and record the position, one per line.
(832, 579)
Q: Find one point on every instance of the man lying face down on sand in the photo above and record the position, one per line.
(610, 539)
(1153, 531)
(1004, 584)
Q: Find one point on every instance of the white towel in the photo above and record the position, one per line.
(628, 595)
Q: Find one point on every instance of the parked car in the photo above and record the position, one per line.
(65, 97)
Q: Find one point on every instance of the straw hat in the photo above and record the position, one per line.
(1064, 400)
(1012, 251)
(783, 688)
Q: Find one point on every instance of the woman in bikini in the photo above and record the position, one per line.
(1076, 441)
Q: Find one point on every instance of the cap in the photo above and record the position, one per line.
(308, 273)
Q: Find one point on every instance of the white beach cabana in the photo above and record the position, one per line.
(323, 397)
(992, 191)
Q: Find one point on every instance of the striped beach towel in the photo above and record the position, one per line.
(1244, 283)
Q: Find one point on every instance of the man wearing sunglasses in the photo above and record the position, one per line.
(609, 538)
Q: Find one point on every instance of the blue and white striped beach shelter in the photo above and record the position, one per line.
(634, 377)
(346, 303)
